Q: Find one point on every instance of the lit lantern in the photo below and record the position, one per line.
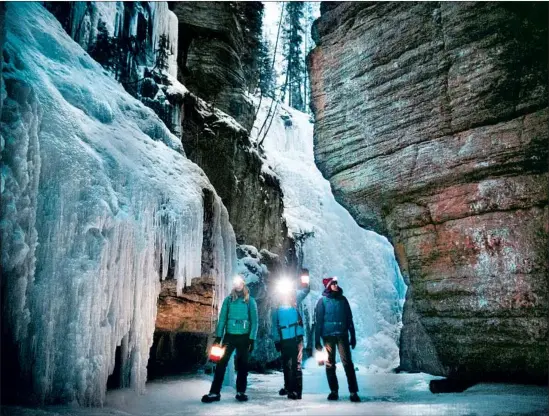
(321, 357)
(216, 353)
(305, 279)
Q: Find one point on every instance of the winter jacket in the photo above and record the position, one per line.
(237, 317)
(286, 322)
(333, 315)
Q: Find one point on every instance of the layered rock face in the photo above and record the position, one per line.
(183, 326)
(431, 125)
(252, 196)
(217, 46)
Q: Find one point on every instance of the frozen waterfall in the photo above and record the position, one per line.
(363, 260)
(96, 193)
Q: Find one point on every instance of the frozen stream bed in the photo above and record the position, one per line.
(382, 394)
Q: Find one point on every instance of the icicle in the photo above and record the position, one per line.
(115, 195)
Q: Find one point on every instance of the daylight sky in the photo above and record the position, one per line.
(271, 18)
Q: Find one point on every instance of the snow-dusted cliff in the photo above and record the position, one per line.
(364, 261)
(97, 199)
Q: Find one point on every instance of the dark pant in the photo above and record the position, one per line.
(342, 344)
(292, 354)
(231, 342)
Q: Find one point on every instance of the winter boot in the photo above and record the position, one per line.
(333, 395)
(354, 397)
(283, 391)
(211, 397)
(241, 397)
(292, 395)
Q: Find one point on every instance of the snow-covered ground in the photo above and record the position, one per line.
(382, 394)
(363, 260)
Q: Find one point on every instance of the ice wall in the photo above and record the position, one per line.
(363, 261)
(96, 193)
(123, 20)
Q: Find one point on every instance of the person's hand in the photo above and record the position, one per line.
(318, 346)
(217, 341)
(353, 342)
(277, 346)
(251, 347)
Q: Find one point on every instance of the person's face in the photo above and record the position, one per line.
(334, 286)
(288, 299)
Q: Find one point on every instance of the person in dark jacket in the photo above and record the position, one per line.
(334, 324)
(287, 332)
(237, 326)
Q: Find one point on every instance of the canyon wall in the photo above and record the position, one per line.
(431, 125)
(217, 57)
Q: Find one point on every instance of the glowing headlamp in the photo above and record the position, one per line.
(284, 285)
(216, 353)
(305, 279)
(237, 280)
(321, 357)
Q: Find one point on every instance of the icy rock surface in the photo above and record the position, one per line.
(363, 260)
(146, 21)
(114, 197)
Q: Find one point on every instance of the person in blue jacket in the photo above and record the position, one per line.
(287, 332)
(237, 326)
(334, 323)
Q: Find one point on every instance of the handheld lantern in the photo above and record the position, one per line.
(216, 353)
(321, 357)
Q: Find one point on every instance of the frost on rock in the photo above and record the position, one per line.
(136, 42)
(97, 200)
(250, 263)
(331, 243)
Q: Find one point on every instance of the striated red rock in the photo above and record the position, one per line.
(431, 125)
(183, 327)
(192, 311)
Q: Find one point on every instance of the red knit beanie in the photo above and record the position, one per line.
(326, 282)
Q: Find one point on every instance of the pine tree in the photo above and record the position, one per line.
(293, 51)
(309, 12)
(104, 50)
(163, 53)
(267, 76)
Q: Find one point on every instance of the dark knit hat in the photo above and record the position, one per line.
(326, 281)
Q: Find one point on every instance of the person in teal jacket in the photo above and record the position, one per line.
(287, 332)
(237, 327)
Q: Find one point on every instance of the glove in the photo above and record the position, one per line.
(217, 341)
(251, 347)
(353, 342)
(318, 346)
(277, 346)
